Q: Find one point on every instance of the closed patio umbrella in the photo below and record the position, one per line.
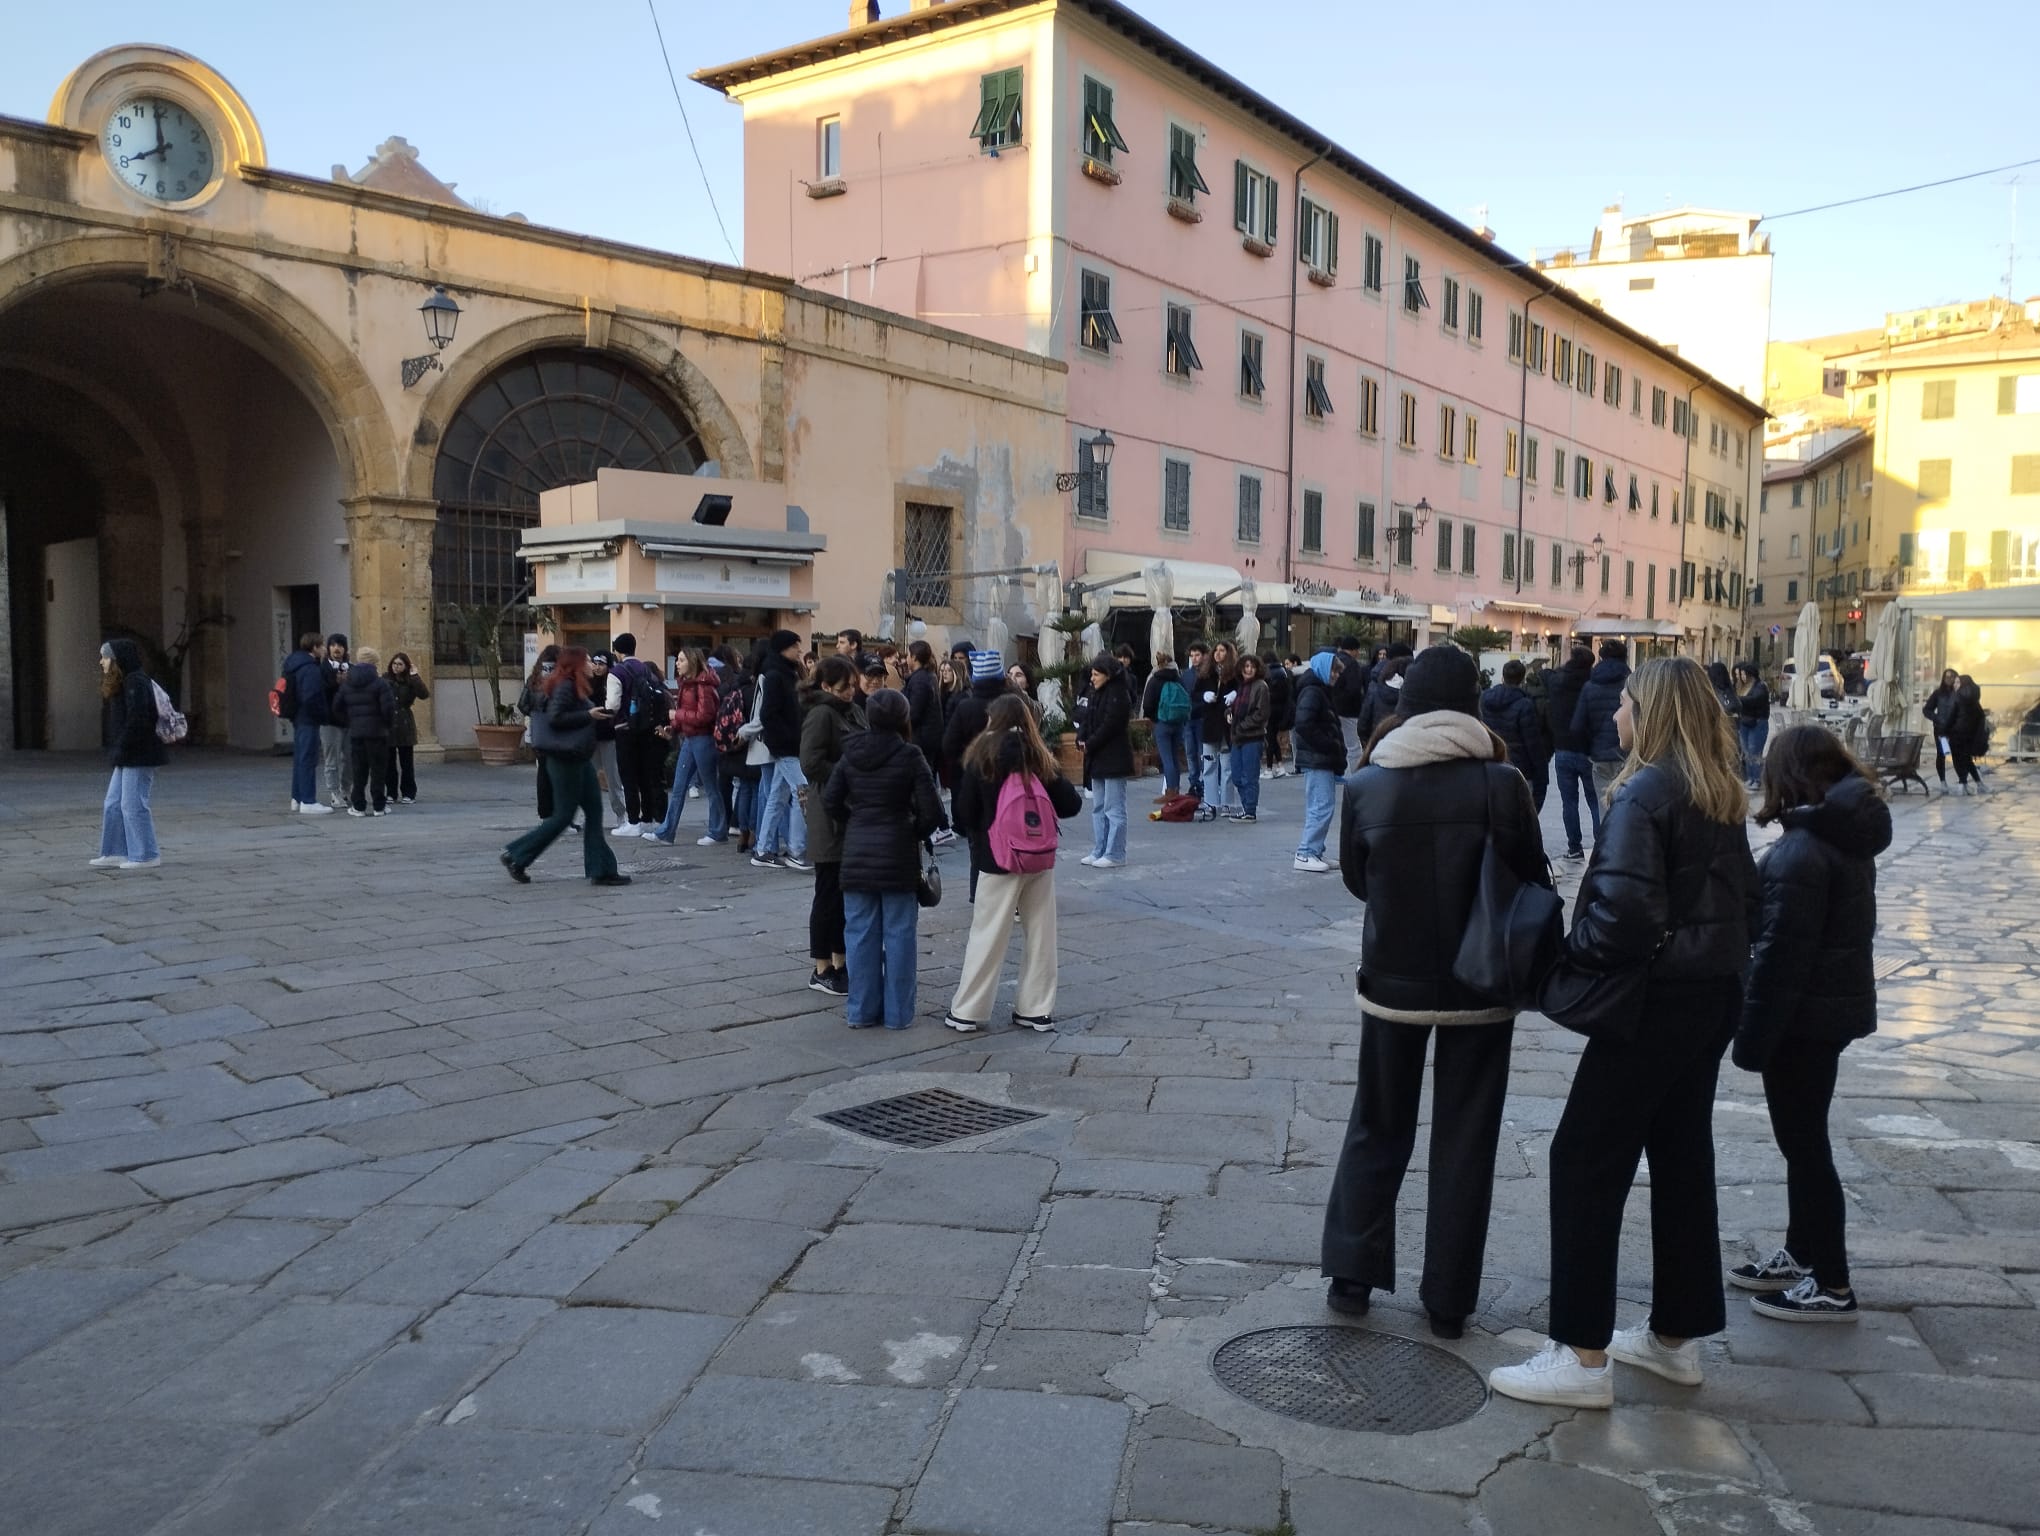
(1805, 692)
(1250, 619)
(1887, 688)
(1160, 582)
(1053, 643)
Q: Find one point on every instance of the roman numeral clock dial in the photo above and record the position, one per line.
(159, 150)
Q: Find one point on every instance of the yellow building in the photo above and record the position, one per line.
(223, 423)
(1814, 532)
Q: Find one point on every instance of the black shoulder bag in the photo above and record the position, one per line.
(1606, 1005)
(1515, 931)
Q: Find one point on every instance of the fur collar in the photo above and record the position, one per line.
(1442, 736)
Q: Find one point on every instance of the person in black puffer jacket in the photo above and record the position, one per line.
(1384, 688)
(1594, 716)
(1421, 812)
(1281, 714)
(366, 706)
(400, 772)
(1570, 765)
(1319, 738)
(1940, 704)
(987, 673)
(923, 688)
(127, 827)
(1811, 991)
(1968, 734)
(1108, 759)
(1671, 892)
(563, 734)
(1349, 696)
(1510, 713)
(883, 797)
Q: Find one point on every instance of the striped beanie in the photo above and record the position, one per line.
(985, 664)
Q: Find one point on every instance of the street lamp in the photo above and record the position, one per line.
(1101, 448)
(441, 316)
(1405, 534)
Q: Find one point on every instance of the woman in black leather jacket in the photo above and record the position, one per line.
(1671, 888)
(1433, 790)
(1811, 992)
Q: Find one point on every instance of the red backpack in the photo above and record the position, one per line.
(1024, 833)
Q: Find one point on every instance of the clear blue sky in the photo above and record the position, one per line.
(1543, 114)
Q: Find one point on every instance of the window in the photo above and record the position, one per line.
(1444, 543)
(1558, 470)
(1317, 400)
(927, 555)
(1094, 483)
(1713, 435)
(1185, 180)
(1792, 548)
(1096, 328)
(1179, 353)
(1682, 419)
(1636, 397)
(1686, 579)
(1557, 563)
(1907, 550)
(1530, 460)
(1313, 522)
(1406, 433)
(1364, 548)
(1799, 493)
(1937, 400)
(1414, 299)
(1405, 539)
(998, 119)
(1561, 362)
(1635, 495)
(1791, 591)
(1606, 565)
(1583, 476)
(1100, 134)
(1511, 464)
(1370, 405)
(1535, 359)
(1253, 384)
(1934, 478)
(1370, 271)
(1448, 432)
(1629, 578)
(1653, 498)
(829, 148)
(1469, 547)
(1472, 438)
(1515, 336)
(1451, 317)
(1473, 316)
(1958, 554)
(1738, 453)
(2026, 474)
(1529, 561)
(1508, 557)
(1176, 495)
(1657, 407)
(1248, 528)
(1611, 392)
(2018, 394)
(1317, 242)
(1589, 374)
(1253, 212)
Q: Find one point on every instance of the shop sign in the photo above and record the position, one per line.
(1305, 586)
(579, 576)
(723, 578)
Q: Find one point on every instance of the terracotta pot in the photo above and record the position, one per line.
(500, 745)
(1070, 757)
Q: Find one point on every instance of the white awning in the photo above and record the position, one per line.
(1509, 605)
(585, 549)
(1345, 600)
(1192, 579)
(1661, 629)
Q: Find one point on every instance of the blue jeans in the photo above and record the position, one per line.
(304, 763)
(1320, 794)
(1172, 747)
(1217, 765)
(1108, 819)
(880, 932)
(1196, 767)
(1753, 734)
(1246, 774)
(695, 765)
(126, 829)
(1575, 773)
(782, 829)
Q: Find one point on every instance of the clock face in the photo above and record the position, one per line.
(159, 149)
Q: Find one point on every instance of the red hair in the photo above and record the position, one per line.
(572, 667)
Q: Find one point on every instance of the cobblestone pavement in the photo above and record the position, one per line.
(348, 1187)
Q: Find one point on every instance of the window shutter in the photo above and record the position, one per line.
(1239, 195)
(1331, 242)
(1268, 202)
(2008, 394)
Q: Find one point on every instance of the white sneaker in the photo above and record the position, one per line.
(294, 807)
(1089, 858)
(1310, 865)
(315, 809)
(1642, 1348)
(1267, 773)
(709, 842)
(628, 829)
(139, 863)
(941, 837)
(353, 812)
(1554, 1375)
(694, 791)
(107, 861)
(1107, 863)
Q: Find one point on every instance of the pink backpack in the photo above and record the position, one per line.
(1024, 833)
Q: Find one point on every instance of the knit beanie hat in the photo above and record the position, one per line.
(984, 664)
(1442, 677)
(781, 639)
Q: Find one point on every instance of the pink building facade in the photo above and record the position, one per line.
(1314, 381)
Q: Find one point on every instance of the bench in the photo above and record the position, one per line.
(1895, 760)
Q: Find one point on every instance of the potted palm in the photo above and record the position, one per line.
(498, 738)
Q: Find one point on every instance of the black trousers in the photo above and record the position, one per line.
(1799, 1086)
(400, 774)
(1965, 770)
(545, 789)
(365, 756)
(825, 913)
(1655, 1096)
(1940, 772)
(639, 759)
(1470, 1081)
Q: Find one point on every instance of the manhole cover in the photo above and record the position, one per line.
(1350, 1378)
(927, 1118)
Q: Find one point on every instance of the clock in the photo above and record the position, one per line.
(159, 149)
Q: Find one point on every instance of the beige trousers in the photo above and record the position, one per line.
(991, 926)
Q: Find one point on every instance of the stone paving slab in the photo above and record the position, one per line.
(1055, 1472)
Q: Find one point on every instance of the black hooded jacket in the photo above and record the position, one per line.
(1281, 699)
(130, 716)
(779, 716)
(1593, 718)
(1810, 970)
(1108, 749)
(1509, 712)
(883, 797)
(364, 703)
(1967, 731)
(1562, 689)
(967, 720)
(1349, 687)
(1316, 739)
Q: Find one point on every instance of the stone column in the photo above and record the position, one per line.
(389, 561)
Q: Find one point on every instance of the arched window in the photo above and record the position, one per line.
(542, 420)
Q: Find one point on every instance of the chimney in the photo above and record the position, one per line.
(863, 12)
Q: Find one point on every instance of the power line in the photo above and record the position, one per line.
(1871, 197)
(674, 81)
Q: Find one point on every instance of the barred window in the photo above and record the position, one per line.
(926, 555)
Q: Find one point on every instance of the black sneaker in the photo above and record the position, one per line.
(1777, 1273)
(1041, 1024)
(1575, 853)
(793, 861)
(1347, 1296)
(818, 981)
(764, 861)
(516, 870)
(1806, 1302)
(610, 880)
(1246, 816)
(839, 981)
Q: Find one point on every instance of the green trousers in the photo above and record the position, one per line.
(573, 789)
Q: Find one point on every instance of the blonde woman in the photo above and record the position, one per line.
(1672, 891)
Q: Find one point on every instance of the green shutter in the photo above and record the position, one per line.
(1331, 243)
(1239, 196)
(1268, 209)
(1905, 551)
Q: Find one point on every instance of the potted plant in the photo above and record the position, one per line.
(499, 738)
(1055, 730)
(1069, 673)
(1141, 734)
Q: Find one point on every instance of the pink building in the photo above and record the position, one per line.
(1314, 381)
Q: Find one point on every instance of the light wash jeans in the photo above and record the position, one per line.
(1172, 748)
(881, 930)
(1245, 772)
(1217, 775)
(781, 826)
(334, 765)
(1320, 794)
(126, 829)
(1108, 819)
(695, 765)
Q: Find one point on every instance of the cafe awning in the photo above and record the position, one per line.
(1659, 629)
(1192, 579)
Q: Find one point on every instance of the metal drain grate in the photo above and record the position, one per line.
(928, 1117)
(1350, 1378)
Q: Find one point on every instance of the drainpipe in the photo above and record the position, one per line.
(1523, 441)
(1685, 493)
(1289, 465)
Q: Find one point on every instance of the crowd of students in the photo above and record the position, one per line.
(353, 733)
